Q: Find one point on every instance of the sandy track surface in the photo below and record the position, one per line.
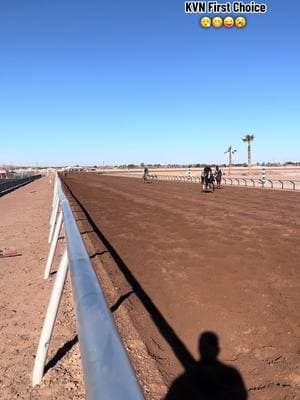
(24, 297)
(184, 262)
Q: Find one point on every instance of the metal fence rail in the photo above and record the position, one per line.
(108, 374)
(285, 184)
(7, 185)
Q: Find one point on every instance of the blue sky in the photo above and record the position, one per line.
(128, 81)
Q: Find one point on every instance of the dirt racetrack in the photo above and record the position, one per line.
(185, 262)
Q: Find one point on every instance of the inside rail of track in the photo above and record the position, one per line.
(276, 184)
(107, 371)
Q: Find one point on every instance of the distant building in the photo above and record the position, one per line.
(6, 174)
(74, 168)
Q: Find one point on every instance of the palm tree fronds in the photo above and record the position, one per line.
(248, 138)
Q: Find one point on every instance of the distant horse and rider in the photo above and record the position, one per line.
(146, 176)
(218, 176)
(208, 178)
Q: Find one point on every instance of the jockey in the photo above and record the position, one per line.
(146, 173)
(218, 176)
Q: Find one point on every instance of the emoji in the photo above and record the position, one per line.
(217, 22)
(228, 22)
(205, 22)
(240, 22)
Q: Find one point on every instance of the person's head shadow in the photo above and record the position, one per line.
(209, 378)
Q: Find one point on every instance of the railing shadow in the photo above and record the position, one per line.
(178, 347)
(117, 304)
(98, 253)
(206, 379)
(61, 352)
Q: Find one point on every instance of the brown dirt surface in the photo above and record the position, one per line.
(181, 262)
(24, 296)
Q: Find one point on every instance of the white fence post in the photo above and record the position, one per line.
(54, 194)
(263, 176)
(52, 221)
(55, 189)
(189, 174)
(53, 245)
(56, 202)
(54, 302)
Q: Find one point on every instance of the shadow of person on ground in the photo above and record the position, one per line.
(209, 378)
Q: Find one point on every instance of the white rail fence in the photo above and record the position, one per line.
(108, 374)
(282, 184)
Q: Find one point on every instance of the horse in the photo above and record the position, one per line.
(207, 180)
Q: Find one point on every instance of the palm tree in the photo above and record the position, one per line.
(248, 139)
(230, 152)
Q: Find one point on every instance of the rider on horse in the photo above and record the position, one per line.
(218, 176)
(146, 174)
(207, 178)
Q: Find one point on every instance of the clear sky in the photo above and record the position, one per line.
(88, 82)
